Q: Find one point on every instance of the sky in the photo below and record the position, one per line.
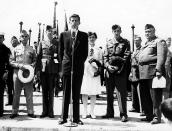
(96, 15)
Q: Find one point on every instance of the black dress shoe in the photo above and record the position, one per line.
(107, 116)
(32, 115)
(62, 121)
(43, 115)
(13, 116)
(51, 116)
(148, 119)
(8, 104)
(79, 122)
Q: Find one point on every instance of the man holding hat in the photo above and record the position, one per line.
(116, 59)
(151, 63)
(22, 56)
(4, 62)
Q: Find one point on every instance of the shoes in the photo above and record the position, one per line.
(92, 116)
(133, 110)
(43, 115)
(148, 119)
(142, 114)
(84, 116)
(31, 115)
(124, 119)
(155, 121)
(79, 122)
(8, 104)
(13, 116)
(107, 116)
(62, 121)
(51, 116)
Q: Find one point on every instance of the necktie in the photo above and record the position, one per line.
(73, 35)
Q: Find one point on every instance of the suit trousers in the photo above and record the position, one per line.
(2, 87)
(28, 92)
(48, 84)
(120, 82)
(145, 94)
(76, 88)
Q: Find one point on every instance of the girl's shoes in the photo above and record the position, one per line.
(92, 116)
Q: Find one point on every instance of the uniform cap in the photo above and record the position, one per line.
(149, 26)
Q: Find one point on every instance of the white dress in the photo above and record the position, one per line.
(91, 85)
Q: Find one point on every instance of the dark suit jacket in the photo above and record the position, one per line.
(152, 57)
(80, 52)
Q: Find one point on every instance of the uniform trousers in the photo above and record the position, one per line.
(10, 86)
(120, 82)
(48, 84)
(145, 94)
(135, 95)
(2, 87)
(28, 91)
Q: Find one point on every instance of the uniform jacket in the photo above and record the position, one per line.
(80, 52)
(134, 74)
(117, 53)
(22, 55)
(152, 57)
(49, 52)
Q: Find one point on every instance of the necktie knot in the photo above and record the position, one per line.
(73, 34)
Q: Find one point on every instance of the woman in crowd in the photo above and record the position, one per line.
(91, 80)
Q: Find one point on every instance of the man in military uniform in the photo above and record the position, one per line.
(134, 77)
(4, 62)
(46, 65)
(22, 55)
(116, 56)
(151, 63)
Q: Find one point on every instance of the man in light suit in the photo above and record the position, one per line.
(151, 63)
(73, 45)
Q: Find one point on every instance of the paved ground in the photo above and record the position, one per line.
(46, 124)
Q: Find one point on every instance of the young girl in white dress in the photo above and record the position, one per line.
(91, 85)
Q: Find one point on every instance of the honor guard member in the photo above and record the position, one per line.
(116, 55)
(23, 56)
(9, 82)
(134, 77)
(4, 62)
(46, 65)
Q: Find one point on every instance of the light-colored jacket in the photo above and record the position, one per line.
(152, 57)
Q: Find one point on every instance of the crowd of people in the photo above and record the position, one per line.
(78, 61)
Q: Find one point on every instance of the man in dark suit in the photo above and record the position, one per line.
(4, 62)
(46, 64)
(73, 53)
(151, 63)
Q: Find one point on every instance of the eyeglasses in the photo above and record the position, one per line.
(24, 36)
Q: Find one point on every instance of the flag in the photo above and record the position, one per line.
(66, 24)
(57, 29)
